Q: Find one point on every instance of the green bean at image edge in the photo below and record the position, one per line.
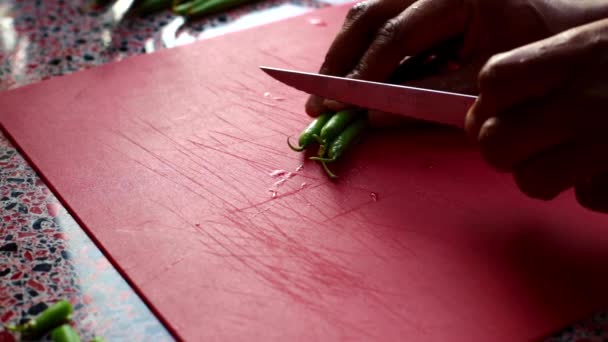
(151, 6)
(180, 7)
(64, 333)
(55, 315)
(204, 7)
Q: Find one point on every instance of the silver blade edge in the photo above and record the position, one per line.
(424, 104)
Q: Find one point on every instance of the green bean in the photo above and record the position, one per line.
(64, 333)
(348, 137)
(337, 124)
(100, 3)
(180, 7)
(310, 133)
(204, 7)
(150, 6)
(50, 318)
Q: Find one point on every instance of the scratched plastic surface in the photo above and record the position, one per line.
(44, 254)
(85, 274)
(168, 178)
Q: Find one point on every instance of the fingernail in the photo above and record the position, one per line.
(334, 105)
(314, 105)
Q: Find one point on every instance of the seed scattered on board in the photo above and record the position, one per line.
(277, 173)
(268, 95)
(273, 193)
(374, 196)
(316, 22)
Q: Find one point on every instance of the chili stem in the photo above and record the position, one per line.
(322, 159)
(297, 149)
(328, 171)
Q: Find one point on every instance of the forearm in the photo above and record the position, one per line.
(567, 14)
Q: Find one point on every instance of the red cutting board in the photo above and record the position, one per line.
(165, 160)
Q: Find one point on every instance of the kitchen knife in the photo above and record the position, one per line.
(423, 104)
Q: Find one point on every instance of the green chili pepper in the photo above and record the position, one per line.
(65, 333)
(339, 145)
(181, 7)
(344, 140)
(310, 133)
(50, 318)
(151, 6)
(101, 2)
(97, 339)
(204, 7)
(337, 124)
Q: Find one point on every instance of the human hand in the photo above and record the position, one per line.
(378, 34)
(542, 115)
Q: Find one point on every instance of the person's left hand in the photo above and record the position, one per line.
(542, 114)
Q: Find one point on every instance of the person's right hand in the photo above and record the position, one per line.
(378, 34)
(541, 115)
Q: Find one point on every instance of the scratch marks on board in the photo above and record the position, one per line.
(275, 56)
(269, 238)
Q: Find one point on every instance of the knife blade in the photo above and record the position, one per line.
(419, 103)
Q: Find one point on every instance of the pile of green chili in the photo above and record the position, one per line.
(54, 321)
(186, 8)
(334, 133)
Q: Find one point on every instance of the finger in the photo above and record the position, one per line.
(533, 71)
(350, 43)
(417, 68)
(520, 133)
(401, 36)
(335, 105)
(593, 193)
(412, 32)
(451, 78)
(547, 175)
(411, 67)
